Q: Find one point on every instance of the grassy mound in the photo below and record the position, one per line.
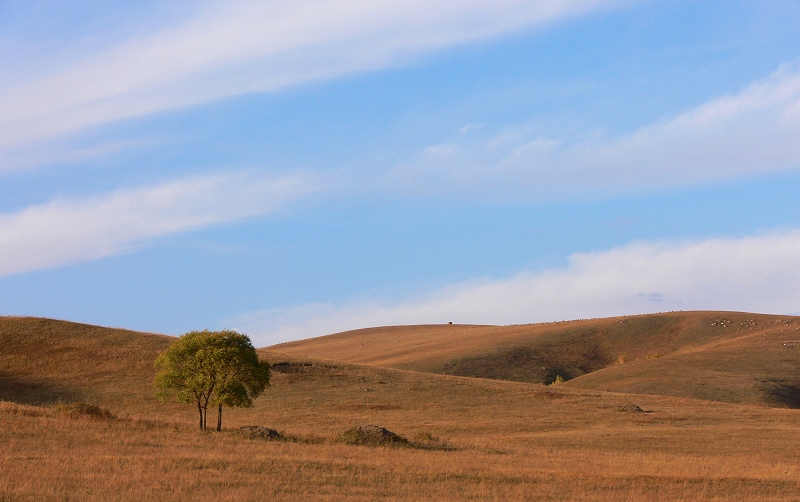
(259, 432)
(372, 435)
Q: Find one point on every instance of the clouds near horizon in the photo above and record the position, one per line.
(758, 273)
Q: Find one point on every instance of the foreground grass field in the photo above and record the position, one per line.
(476, 438)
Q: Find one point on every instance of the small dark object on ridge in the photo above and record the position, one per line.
(630, 408)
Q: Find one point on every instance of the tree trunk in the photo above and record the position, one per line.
(205, 417)
(200, 409)
(219, 419)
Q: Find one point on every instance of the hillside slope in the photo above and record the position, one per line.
(723, 356)
(761, 367)
(477, 439)
(43, 361)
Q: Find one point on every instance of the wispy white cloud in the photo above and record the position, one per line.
(66, 231)
(234, 47)
(753, 132)
(757, 273)
(74, 154)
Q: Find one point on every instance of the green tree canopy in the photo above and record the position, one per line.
(212, 368)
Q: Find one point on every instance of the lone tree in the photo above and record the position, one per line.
(212, 368)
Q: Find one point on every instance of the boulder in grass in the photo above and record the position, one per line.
(630, 408)
(372, 435)
(258, 432)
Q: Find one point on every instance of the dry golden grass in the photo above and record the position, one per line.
(44, 361)
(508, 441)
(723, 356)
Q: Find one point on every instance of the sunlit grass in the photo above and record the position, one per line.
(504, 440)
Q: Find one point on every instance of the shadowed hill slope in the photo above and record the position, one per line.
(44, 361)
(723, 356)
(752, 367)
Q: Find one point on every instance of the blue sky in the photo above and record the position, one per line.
(297, 168)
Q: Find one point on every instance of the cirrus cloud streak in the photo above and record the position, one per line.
(230, 48)
(752, 132)
(67, 231)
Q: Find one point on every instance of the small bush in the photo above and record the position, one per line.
(559, 379)
(25, 411)
(425, 437)
(79, 410)
(427, 441)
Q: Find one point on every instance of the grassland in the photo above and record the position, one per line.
(478, 439)
(724, 356)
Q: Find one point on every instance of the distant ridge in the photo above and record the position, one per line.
(730, 357)
(723, 356)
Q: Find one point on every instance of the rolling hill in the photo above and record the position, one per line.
(722, 356)
(44, 361)
(475, 438)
